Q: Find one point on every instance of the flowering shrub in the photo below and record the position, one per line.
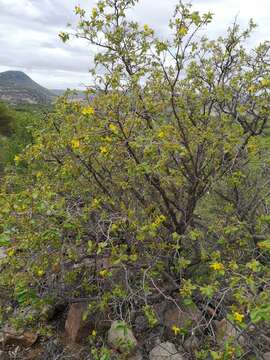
(159, 187)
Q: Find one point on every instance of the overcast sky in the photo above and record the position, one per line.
(29, 33)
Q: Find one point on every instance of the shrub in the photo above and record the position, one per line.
(157, 188)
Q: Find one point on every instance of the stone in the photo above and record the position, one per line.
(225, 331)
(182, 318)
(121, 338)
(78, 328)
(165, 351)
(9, 336)
(4, 355)
(136, 356)
(141, 324)
(192, 344)
(34, 354)
(266, 356)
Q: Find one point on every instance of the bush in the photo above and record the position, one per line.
(157, 189)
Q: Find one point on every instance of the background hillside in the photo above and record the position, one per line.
(16, 87)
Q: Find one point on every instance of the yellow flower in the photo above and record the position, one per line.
(238, 317)
(104, 150)
(114, 227)
(252, 147)
(252, 88)
(146, 28)
(95, 203)
(161, 134)
(103, 273)
(217, 266)
(94, 333)
(17, 159)
(108, 139)
(133, 257)
(183, 30)
(159, 220)
(176, 330)
(75, 144)
(113, 128)
(88, 111)
(40, 272)
(11, 252)
(265, 82)
(39, 174)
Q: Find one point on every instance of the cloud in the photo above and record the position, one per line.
(29, 33)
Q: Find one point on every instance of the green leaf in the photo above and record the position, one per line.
(4, 239)
(264, 245)
(261, 313)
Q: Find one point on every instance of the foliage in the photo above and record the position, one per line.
(158, 188)
(5, 120)
(24, 120)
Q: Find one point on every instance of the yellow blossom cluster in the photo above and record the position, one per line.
(238, 316)
(113, 128)
(176, 330)
(88, 111)
(75, 144)
(217, 266)
(104, 150)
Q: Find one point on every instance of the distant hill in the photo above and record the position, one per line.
(78, 95)
(16, 87)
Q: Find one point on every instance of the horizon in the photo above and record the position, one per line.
(31, 43)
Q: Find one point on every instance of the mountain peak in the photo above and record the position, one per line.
(17, 87)
(14, 73)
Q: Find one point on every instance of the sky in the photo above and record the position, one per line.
(29, 30)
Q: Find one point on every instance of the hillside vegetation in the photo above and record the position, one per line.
(17, 125)
(150, 204)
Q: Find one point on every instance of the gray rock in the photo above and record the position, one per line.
(184, 318)
(165, 351)
(120, 337)
(266, 356)
(226, 331)
(192, 344)
(141, 324)
(3, 355)
(136, 356)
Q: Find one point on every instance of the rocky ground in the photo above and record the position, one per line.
(76, 336)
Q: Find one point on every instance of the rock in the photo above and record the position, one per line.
(141, 324)
(226, 331)
(165, 351)
(152, 339)
(266, 356)
(34, 354)
(121, 338)
(9, 336)
(78, 328)
(136, 356)
(192, 344)
(186, 318)
(4, 355)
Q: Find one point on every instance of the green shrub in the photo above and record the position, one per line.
(150, 191)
